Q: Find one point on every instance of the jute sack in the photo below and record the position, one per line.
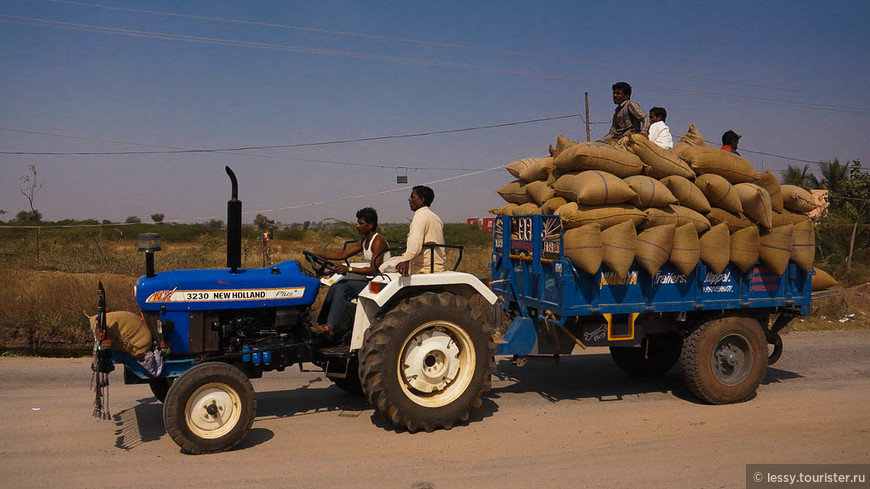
(539, 191)
(768, 181)
(788, 217)
(822, 280)
(515, 192)
(574, 215)
(716, 248)
(127, 331)
(660, 162)
(654, 247)
(744, 248)
(650, 192)
(677, 215)
(583, 247)
(691, 138)
(797, 199)
(756, 203)
(618, 244)
(686, 250)
(803, 248)
(719, 192)
(775, 249)
(599, 156)
(593, 187)
(687, 194)
(562, 143)
(505, 210)
(550, 206)
(733, 221)
(704, 159)
(529, 209)
(531, 169)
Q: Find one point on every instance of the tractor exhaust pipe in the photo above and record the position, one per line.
(234, 226)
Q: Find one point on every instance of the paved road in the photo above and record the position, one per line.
(581, 423)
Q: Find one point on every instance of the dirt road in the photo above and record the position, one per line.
(581, 423)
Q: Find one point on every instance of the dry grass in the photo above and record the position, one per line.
(45, 300)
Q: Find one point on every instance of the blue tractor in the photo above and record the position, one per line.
(420, 347)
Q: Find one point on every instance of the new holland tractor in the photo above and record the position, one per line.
(420, 348)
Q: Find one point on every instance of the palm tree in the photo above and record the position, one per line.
(834, 174)
(799, 176)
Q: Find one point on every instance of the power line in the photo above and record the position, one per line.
(282, 146)
(396, 59)
(457, 46)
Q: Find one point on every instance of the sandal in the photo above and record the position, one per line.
(326, 329)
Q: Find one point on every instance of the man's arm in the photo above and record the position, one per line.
(414, 244)
(636, 112)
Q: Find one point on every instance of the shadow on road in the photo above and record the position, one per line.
(595, 376)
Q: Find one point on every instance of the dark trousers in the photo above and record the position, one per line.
(338, 299)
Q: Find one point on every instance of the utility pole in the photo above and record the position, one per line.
(588, 132)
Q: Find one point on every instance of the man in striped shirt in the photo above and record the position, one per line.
(628, 117)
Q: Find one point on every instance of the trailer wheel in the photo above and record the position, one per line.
(656, 356)
(426, 363)
(209, 408)
(160, 387)
(725, 360)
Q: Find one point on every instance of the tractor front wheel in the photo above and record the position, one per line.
(426, 363)
(210, 408)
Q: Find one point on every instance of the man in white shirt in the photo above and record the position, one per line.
(659, 133)
(426, 227)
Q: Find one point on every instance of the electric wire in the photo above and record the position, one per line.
(456, 46)
(295, 145)
(417, 61)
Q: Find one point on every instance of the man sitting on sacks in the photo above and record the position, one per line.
(628, 117)
(426, 227)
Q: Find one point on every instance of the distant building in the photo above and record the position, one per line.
(485, 223)
(821, 210)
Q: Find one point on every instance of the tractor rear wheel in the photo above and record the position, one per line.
(210, 408)
(724, 360)
(656, 355)
(426, 363)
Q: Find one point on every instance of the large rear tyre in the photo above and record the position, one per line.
(209, 408)
(426, 363)
(725, 360)
(656, 355)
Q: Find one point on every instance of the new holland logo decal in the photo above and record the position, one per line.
(225, 295)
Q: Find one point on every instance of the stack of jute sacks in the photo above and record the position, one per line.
(636, 202)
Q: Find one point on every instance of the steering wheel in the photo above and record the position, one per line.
(320, 265)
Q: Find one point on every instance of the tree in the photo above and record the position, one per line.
(851, 199)
(263, 223)
(29, 188)
(799, 176)
(158, 217)
(132, 220)
(215, 224)
(834, 174)
(29, 216)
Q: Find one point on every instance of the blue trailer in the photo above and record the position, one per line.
(718, 326)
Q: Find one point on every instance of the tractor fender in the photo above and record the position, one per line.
(391, 287)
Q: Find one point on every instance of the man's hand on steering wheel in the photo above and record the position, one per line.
(320, 265)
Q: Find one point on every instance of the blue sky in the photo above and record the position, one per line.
(790, 77)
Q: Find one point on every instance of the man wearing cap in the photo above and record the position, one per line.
(628, 117)
(730, 140)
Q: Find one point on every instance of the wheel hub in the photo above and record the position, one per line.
(213, 411)
(730, 361)
(431, 361)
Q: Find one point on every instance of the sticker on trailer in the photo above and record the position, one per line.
(225, 295)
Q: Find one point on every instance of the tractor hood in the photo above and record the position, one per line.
(281, 285)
